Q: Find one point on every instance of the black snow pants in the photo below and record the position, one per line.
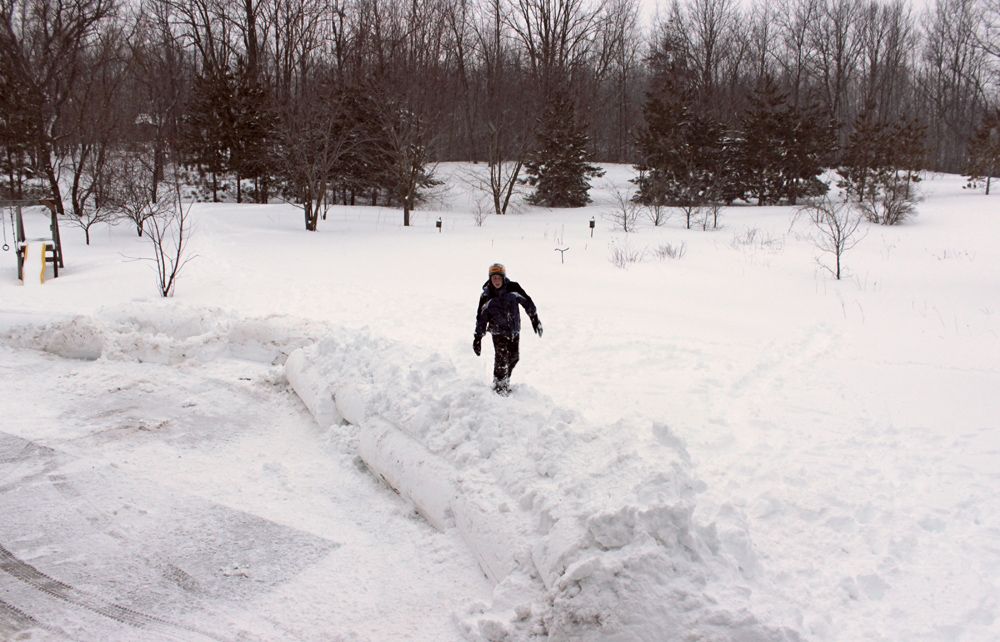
(505, 349)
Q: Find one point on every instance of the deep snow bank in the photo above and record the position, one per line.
(588, 534)
(587, 531)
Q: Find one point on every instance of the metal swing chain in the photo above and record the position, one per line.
(6, 248)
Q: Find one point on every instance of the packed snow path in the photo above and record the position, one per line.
(171, 491)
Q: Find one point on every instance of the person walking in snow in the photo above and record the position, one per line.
(497, 313)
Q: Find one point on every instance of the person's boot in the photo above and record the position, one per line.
(501, 386)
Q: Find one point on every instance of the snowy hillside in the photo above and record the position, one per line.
(728, 445)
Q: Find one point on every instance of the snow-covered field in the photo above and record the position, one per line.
(301, 445)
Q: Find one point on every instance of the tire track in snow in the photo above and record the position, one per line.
(38, 580)
(20, 621)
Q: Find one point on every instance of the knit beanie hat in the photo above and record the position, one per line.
(498, 269)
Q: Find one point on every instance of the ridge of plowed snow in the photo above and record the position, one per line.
(611, 553)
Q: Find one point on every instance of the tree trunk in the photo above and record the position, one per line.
(310, 216)
(307, 207)
(15, 186)
(75, 202)
(50, 174)
(158, 163)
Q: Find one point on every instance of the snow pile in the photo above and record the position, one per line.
(585, 535)
(161, 332)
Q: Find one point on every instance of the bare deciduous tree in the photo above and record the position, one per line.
(709, 216)
(45, 44)
(103, 212)
(95, 119)
(128, 189)
(500, 182)
(794, 18)
(833, 37)
(313, 140)
(657, 213)
(169, 229)
(952, 78)
(556, 36)
(503, 172)
(160, 85)
(709, 32)
(625, 215)
(409, 152)
(836, 229)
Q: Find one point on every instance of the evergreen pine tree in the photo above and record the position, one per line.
(365, 167)
(559, 168)
(812, 144)
(880, 166)
(984, 150)
(907, 152)
(866, 164)
(766, 128)
(782, 148)
(686, 158)
(252, 138)
(208, 124)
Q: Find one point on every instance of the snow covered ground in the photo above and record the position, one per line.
(730, 445)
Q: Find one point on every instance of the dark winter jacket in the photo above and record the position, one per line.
(497, 312)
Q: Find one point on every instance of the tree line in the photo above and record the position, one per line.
(326, 101)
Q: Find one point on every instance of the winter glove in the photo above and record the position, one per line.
(536, 325)
(477, 345)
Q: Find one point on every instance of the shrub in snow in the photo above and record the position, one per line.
(756, 239)
(668, 251)
(893, 203)
(622, 256)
